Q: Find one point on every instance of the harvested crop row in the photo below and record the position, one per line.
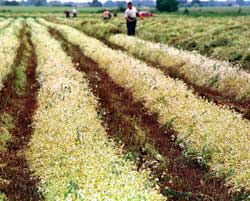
(5, 23)
(197, 69)
(178, 65)
(225, 39)
(9, 42)
(217, 136)
(70, 150)
(5, 69)
(16, 111)
(5, 135)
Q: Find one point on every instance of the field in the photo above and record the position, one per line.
(89, 113)
(223, 38)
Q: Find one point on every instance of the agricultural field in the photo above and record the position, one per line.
(89, 113)
(221, 38)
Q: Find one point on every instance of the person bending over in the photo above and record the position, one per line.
(106, 14)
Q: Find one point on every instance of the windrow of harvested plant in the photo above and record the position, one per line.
(145, 141)
(5, 23)
(9, 42)
(70, 149)
(5, 136)
(216, 136)
(16, 110)
(222, 38)
(205, 76)
(8, 50)
(6, 121)
(196, 69)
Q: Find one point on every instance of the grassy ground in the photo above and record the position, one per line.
(32, 11)
(216, 11)
(192, 11)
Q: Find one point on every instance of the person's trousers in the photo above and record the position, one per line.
(131, 28)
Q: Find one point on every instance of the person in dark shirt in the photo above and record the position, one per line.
(67, 13)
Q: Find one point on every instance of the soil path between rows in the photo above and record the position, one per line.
(121, 116)
(19, 183)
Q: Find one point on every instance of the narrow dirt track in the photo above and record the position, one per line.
(19, 185)
(122, 116)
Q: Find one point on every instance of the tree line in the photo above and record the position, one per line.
(161, 5)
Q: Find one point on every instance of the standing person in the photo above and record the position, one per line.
(74, 11)
(130, 16)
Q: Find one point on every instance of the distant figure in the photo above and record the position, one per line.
(115, 13)
(130, 16)
(106, 14)
(67, 13)
(74, 11)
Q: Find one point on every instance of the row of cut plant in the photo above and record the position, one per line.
(223, 38)
(231, 81)
(9, 42)
(216, 136)
(70, 149)
(199, 70)
(5, 23)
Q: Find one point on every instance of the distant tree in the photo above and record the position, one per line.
(136, 3)
(196, 3)
(240, 2)
(55, 3)
(211, 2)
(37, 2)
(167, 5)
(109, 3)
(68, 4)
(121, 6)
(95, 3)
(10, 3)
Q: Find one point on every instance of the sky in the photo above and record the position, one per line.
(100, 0)
(73, 0)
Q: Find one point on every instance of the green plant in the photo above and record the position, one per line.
(5, 137)
(20, 80)
(7, 121)
(3, 197)
(167, 5)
